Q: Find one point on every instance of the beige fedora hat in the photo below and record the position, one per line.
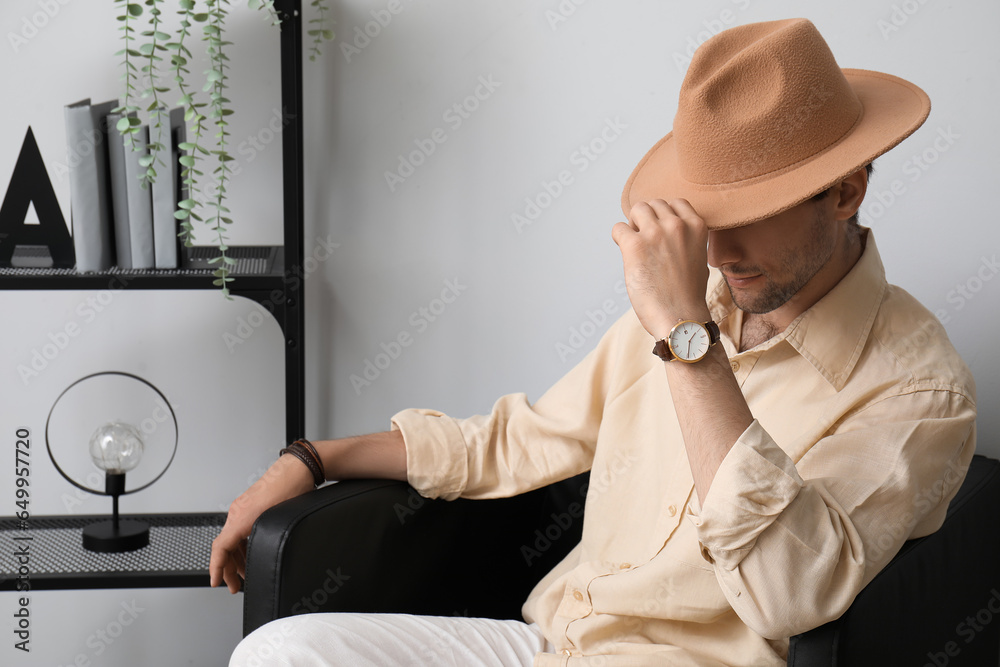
(767, 119)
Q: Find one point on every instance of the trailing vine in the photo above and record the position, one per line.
(129, 124)
(215, 85)
(197, 113)
(321, 33)
(188, 208)
(157, 112)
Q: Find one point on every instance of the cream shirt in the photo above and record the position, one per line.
(864, 428)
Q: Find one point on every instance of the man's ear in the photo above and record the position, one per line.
(848, 195)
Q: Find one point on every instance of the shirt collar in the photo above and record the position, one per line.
(832, 333)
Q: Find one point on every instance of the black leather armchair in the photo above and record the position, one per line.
(377, 546)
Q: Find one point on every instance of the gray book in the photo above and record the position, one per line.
(89, 184)
(119, 194)
(167, 188)
(140, 202)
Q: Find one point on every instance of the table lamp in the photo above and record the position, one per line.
(134, 423)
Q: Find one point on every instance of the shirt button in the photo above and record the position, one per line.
(672, 510)
(625, 566)
(578, 596)
(566, 651)
(735, 365)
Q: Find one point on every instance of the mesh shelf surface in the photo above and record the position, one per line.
(177, 554)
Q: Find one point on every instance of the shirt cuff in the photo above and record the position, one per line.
(436, 459)
(754, 484)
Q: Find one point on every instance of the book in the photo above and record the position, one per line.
(168, 188)
(119, 194)
(138, 199)
(89, 184)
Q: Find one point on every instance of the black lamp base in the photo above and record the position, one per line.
(103, 536)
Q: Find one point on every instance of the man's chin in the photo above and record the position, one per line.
(756, 302)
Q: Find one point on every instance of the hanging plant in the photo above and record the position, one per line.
(147, 62)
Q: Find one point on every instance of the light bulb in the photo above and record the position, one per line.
(116, 447)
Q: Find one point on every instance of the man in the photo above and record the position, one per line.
(752, 475)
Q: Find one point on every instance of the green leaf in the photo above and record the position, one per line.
(146, 160)
(186, 160)
(134, 9)
(181, 215)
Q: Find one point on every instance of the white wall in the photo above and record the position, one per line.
(519, 294)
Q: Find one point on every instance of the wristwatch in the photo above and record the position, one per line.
(688, 341)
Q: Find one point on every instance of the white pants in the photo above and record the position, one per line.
(390, 640)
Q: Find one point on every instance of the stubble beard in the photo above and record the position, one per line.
(802, 265)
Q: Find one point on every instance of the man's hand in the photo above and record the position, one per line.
(665, 252)
(287, 478)
(375, 456)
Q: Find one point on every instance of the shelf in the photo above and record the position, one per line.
(258, 268)
(177, 555)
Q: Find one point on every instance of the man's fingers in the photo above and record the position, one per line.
(620, 231)
(684, 210)
(224, 550)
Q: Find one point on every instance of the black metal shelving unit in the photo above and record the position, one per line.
(283, 280)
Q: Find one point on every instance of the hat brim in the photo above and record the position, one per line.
(893, 109)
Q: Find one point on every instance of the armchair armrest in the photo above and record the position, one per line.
(378, 546)
(925, 606)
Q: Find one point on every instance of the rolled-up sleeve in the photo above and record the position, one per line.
(793, 544)
(519, 446)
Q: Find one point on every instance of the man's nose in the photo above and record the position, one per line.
(723, 247)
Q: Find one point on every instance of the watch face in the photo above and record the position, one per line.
(689, 340)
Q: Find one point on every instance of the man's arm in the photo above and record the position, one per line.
(664, 250)
(380, 456)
